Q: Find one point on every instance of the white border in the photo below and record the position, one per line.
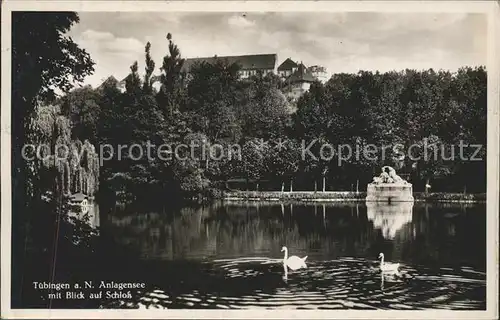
(493, 63)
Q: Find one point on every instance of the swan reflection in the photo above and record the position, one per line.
(389, 217)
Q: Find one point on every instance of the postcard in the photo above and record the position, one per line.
(260, 159)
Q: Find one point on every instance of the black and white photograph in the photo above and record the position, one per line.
(236, 157)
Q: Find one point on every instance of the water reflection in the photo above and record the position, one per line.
(389, 217)
(323, 231)
(227, 255)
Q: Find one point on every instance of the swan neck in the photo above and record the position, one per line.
(286, 254)
(382, 260)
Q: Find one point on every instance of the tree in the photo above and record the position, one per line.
(265, 113)
(319, 121)
(189, 165)
(81, 105)
(133, 83)
(431, 161)
(212, 96)
(283, 160)
(150, 67)
(44, 60)
(169, 96)
(112, 106)
(253, 155)
(312, 118)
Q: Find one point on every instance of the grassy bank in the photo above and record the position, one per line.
(345, 196)
(449, 197)
(295, 195)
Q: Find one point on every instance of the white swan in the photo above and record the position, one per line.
(386, 266)
(293, 262)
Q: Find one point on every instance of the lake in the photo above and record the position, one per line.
(228, 255)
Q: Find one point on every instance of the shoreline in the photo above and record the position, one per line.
(345, 196)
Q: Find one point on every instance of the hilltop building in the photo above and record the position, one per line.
(121, 85)
(296, 76)
(298, 83)
(249, 64)
(287, 68)
(319, 73)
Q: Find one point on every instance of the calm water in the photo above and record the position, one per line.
(227, 255)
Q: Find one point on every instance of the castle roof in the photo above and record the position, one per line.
(246, 62)
(288, 64)
(301, 75)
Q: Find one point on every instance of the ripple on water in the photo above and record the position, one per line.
(158, 295)
(250, 283)
(190, 299)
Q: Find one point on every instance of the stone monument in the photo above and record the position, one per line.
(389, 187)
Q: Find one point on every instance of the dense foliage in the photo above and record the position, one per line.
(404, 112)
(410, 109)
(44, 61)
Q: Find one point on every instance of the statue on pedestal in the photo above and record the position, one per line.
(388, 187)
(388, 175)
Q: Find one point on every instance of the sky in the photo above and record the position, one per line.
(339, 41)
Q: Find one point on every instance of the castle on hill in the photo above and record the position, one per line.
(296, 76)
